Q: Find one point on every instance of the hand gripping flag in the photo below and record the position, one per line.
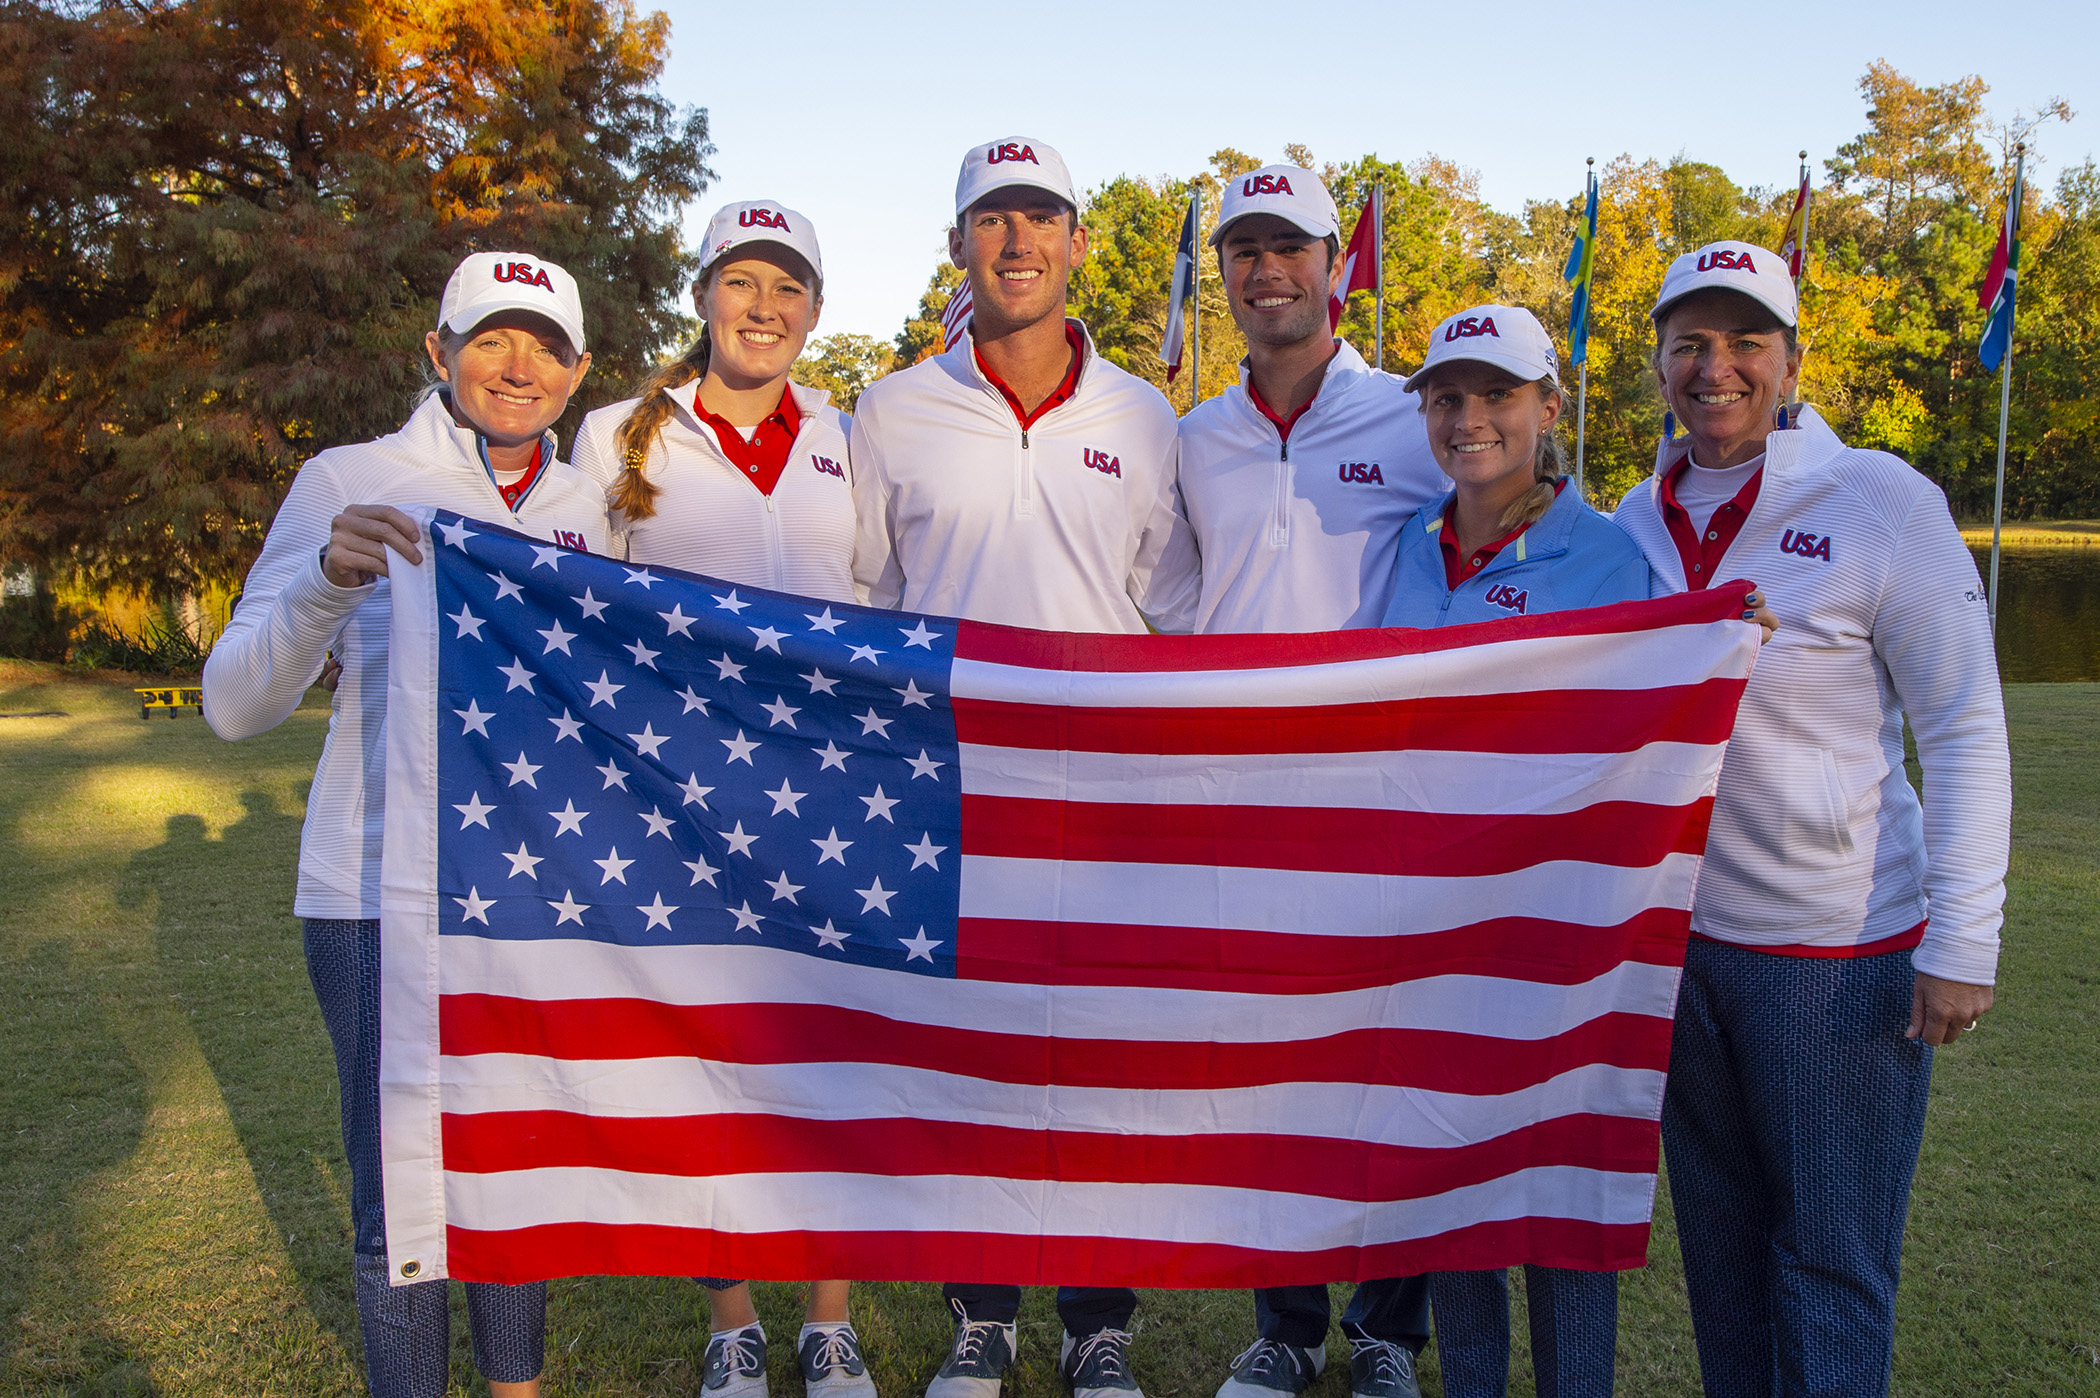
(2001, 286)
(955, 316)
(1582, 262)
(1183, 286)
(729, 933)
(1361, 261)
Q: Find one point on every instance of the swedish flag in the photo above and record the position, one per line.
(1582, 261)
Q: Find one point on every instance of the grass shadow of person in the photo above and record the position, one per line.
(230, 949)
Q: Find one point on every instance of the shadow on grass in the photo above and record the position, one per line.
(234, 962)
(75, 1114)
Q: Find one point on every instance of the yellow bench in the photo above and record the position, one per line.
(174, 698)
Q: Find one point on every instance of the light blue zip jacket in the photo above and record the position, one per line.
(1572, 557)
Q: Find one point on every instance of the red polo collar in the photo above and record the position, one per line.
(764, 456)
(1701, 554)
(1062, 393)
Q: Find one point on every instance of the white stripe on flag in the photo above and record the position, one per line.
(1294, 901)
(1635, 662)
(1456, 783)
(1191, 1214)
(739, 975)
(674, 1087)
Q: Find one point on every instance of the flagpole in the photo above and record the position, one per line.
(1378, 249)
(1808, 199)
(1582, 379)
(2012, 219)
(1196, 312)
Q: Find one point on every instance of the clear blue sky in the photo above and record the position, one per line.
(857, 114)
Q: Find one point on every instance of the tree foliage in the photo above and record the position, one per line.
(225, 224)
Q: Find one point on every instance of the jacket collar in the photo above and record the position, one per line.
(436, 438)
(1805, 446)
(1548, 535)
(686, 397)
(1344, 372)
(959, 362)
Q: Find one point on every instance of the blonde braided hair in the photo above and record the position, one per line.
(633, 495)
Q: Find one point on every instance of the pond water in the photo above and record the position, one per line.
(2048, 613)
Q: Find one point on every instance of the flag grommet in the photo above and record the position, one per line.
(411, 1269)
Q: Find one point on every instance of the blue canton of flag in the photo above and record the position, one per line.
(649, 760)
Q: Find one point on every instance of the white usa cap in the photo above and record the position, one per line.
(489, 282)
(1016, 160)
(1290, 192)
(1756, 272)
(1508, 337)
(760, 221)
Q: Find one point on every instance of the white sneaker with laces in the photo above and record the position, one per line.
(977, 1359)
(735, 1364)
(832, 1363)
(1098, 1365)
(1273, 1369)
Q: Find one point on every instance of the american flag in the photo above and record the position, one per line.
(731, 933)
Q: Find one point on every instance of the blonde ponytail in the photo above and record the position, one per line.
(1548, 464)
(633, 495)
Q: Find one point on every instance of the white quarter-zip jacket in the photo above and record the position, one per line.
(1073, 525)
(1819, 845)
(290, 616)
(710, 518)
(1302, 535)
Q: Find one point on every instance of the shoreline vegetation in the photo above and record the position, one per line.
(2035, 533)
(175, 1220)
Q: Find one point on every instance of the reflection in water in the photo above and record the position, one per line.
(2048, 613)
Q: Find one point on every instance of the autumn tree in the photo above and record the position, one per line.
(842, 365)
(224, 226)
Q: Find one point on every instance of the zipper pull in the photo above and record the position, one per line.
(1286, 450)
(769, 504)
(1024, 439)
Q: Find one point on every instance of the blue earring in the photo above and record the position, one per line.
(1669, 426)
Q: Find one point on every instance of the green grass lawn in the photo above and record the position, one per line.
(173, 1193)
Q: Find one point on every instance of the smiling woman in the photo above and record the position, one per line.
(508, 352)
(722, 466)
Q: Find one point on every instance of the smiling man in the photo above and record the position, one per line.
(1297, 482)
(1020, 478)
(1298, 479)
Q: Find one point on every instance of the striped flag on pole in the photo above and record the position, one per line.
(1582, 263)
(729, 933)
(1794, 245)
(1170, 346)
(2001, 285)
(955, 316)
(1362, 267)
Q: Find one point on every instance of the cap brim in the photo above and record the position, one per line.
(467, 318)
(1790, 318)
(1022, 183)
(1217, 235)
(816, 270)
(1508, 364)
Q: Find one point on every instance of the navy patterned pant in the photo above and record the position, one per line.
(1574, 1331)
(407, 1329)
(1387, 1308)
(1791, 1125)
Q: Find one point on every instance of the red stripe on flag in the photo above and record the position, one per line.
(1057, 650)
(588, 1249)
(1018, 951)
(1432, 1060)
(741, 1143)
(1540, 721)
(1335, 840)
